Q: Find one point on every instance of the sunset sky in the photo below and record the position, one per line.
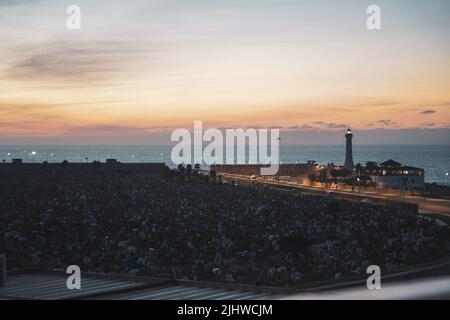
(138, 69)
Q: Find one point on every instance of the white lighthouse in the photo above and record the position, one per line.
(348, 164)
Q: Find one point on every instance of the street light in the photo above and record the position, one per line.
(32, 154)
(359, 185)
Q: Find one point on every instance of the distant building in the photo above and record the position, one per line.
(348, 164)
(111, 161)
(392, 174)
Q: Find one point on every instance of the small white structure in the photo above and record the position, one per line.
(393, 174)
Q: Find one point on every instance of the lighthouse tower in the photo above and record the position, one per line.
(348, 164)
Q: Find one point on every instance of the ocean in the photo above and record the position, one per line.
(435, 159)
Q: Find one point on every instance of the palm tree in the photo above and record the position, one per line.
(213, 175)
(371, 165)
(346, 173)
(189, 171)
(197, 169)
(181, 171)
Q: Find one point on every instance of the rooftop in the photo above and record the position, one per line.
(390, 163)
(44, 285)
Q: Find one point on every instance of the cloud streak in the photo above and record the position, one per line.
(387, 122)
(85, 62)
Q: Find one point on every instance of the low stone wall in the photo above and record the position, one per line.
(59, 168)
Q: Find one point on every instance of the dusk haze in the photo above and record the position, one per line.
(136, 70)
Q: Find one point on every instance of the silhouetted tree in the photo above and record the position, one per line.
(197, 169)
(189, 172)
(213, 175)
(371, 166)
(181, 172)
(346, 173)
(65, 165)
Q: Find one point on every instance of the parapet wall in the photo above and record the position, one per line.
(158, 169)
